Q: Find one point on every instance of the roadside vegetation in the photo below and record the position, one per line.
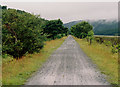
(23, 32)
(102, 56)
(27, 42)
(16, 72)
(102, 50)
(110, 41)
(83, 30)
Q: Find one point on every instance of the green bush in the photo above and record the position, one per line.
(115, 49)
(5, 56)
(59, 36)
(107, 43)
(21, 33)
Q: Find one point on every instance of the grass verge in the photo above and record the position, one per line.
(16, 72)
(102, 56)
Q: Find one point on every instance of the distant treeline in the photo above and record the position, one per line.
(23, 32)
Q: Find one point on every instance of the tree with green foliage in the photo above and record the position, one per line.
(82, 29)
(25, 33)
(21, 33)
(4, 7)
(65, 31)
(90, 36)
(53, 28)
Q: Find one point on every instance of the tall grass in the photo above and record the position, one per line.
(16, 72)
(102, 56)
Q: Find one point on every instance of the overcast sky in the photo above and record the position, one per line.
(69, 11)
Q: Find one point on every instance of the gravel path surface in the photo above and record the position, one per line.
(68, 65)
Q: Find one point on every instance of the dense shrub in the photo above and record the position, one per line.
(21, 33)
(114, 49)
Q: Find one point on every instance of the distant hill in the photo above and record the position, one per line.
(71, 23)
(100, 27)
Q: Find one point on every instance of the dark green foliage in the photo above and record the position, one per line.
(25, 33)
(4, 7)
(21, 33)
(81, 30)
(19, 11)
(54, 28)
(65, 31)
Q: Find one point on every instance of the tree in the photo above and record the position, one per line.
(53, 28)
(81, 29)
(90, 36)
(65, 31)
(4, 7)
(21, 33)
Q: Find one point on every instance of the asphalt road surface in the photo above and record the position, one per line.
(68, 65)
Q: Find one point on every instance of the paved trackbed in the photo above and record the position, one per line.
(68, 65)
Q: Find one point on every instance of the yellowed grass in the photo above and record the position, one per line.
(17, 72)
(103, 58)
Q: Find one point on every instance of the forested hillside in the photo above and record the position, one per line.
(100, 27)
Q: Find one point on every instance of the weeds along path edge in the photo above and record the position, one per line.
(17, 72)
(102, 56)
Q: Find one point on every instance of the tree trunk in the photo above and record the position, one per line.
(87, 39)
(90, 41)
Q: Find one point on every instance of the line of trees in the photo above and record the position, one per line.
(83, 30)
(54, 29)
(23, 32)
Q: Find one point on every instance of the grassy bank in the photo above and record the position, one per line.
(102, 56)
(16, 72)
